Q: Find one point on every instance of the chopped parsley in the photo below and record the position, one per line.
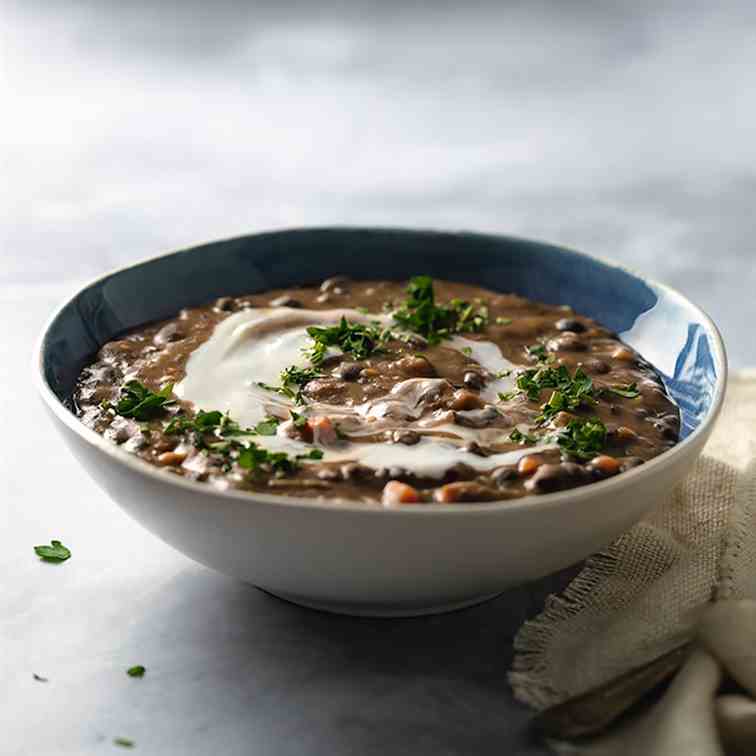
(628, 390)
(293, 381)
(124, 742)
(503, 321)
(420, 313)
(538, 351)
(355, 339)
(568, 391)
(141, 403)
(136, 671)
(267, 427)
(256, 459)
(518, 437)
(55, 552)
(583, 438)
(466, 351)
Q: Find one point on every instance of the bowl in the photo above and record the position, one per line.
(359, 559)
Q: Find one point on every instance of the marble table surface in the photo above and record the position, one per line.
(625, 130)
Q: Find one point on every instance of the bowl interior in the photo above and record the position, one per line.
(664, 327)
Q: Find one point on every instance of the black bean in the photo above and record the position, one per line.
(354, 470)
(349, 371)
(473, 447)
(599, 367)
(168, 333)
(569, 324)
(548, 478)
(502, 475)
(567, 342)
(328, 473)
(473, 380)
(224, 304)
(407, 437)
(478, 418)
(335, 284)
(285, 300)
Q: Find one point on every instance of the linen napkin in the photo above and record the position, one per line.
(651, 593)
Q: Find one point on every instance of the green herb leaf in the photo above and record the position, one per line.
(141, 403)
(421, 314)
(267, 427)
(538, 351)
(628, 390)
(356, 339)
(466, 350)
(582, 437)
(503, 321)
(136, 671)
(124, 742)
(55, 552)
(312, 454)
(518, 437)
(299, 420)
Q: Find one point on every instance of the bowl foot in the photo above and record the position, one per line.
(380, 610)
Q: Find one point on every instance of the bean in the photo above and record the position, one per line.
(462, 491)
(569, 324)
(223, 304)
(465, 400)
(502, 475)
(473, 447)
(285, 300)
(395, 492)
(599, 367)
(354, 470)
(556, 477)
(625, 435)
(528, 465)
(171, 458)
(349, 371)
(407, 437)
(167, 334)
(473, 380)
(623, 354)
(334, 284)
(605, 465)
(567, 342)
(415, 366)
(478, 418)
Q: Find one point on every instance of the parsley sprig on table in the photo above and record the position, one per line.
(55, 552)
(420, 313)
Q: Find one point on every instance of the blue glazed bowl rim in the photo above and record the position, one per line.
(592, 491)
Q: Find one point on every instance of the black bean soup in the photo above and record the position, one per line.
(424, 391)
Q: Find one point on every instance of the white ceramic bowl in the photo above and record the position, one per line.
(360, 559)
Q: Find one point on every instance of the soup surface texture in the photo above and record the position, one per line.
(424, 391)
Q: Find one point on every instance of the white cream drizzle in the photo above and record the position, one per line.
(255, 345)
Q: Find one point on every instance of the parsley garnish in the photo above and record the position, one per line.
(518, 437)
(293, 380)
(421, 314)
(55, 552)
(582, 437)
(503, 321)
(466, 351)
(568, 394)
(538, 351)
(136, 671)
(141, 403)
(629, 390)
(356, 339)
(267, 427)
(124, 742)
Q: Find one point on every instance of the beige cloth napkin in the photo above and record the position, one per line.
(643, 596)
